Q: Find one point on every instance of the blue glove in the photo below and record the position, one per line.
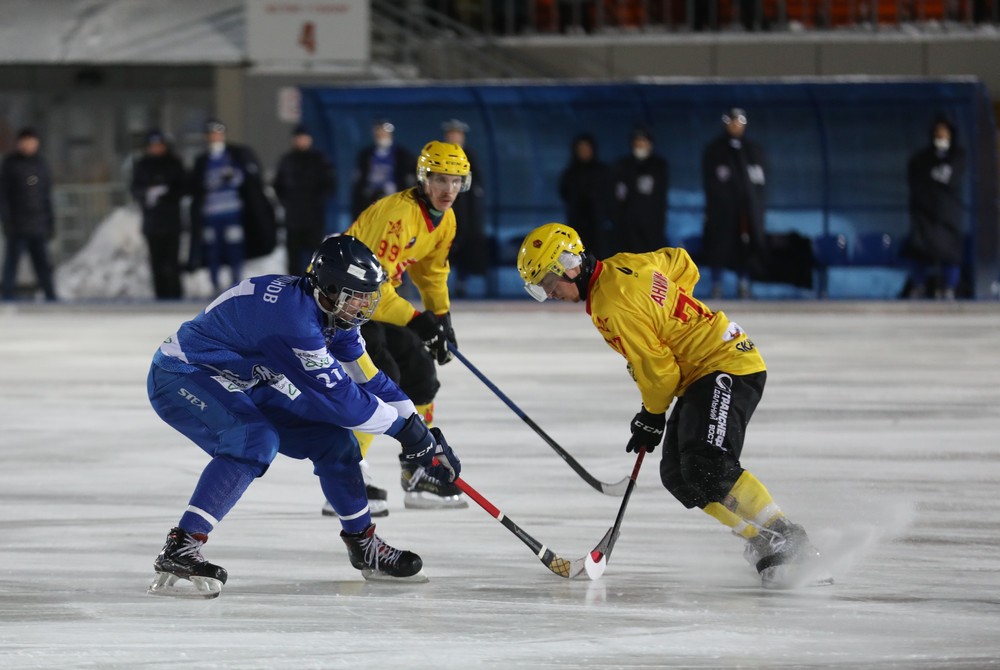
(448, 467)
(647, 431)
(422, 446)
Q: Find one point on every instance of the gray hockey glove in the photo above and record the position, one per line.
(647, 431)
(422, 446)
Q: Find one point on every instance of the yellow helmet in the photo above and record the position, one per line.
(444, 158)
(541, 253)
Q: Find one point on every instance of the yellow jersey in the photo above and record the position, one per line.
(643, 306)
(399, 230)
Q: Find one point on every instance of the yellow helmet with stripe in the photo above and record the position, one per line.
(444, 158)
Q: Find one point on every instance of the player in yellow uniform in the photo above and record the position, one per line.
(411, 233)
(676, 347)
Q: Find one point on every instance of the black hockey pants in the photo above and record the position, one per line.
(704, 436)
(401, 355)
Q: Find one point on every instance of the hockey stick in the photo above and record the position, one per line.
(615, 489)
(560, 566)
(602, 552)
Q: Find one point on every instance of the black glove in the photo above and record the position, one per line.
(422, 446)
(449, 336)
(647, 431)
(433, 331)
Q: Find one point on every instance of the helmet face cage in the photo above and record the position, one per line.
(444, 158)
(547, 249)
(346, 274)
(351, 308)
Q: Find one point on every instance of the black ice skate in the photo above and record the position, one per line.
(181, 559)
(426, 492)
(378, 561)
(784, 558)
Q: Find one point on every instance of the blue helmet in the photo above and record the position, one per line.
(346, 279)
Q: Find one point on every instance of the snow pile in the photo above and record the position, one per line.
(114, 264)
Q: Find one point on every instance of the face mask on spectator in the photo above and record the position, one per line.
(942, 143)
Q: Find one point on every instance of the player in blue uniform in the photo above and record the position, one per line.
(276, 364)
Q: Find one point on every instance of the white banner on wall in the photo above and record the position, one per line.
(308, 33)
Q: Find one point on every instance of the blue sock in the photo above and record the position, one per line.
(952, 273)
(349, 500)
(222, 483)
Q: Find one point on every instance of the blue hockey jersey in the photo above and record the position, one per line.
(268, 330)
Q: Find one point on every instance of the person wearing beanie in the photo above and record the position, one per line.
(303, 182)
(642, 183)
(26, 213)
(159, 182)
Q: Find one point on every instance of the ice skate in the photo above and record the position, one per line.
(426, 492)
(181, 559)
(784, 558)
(378, 505)
(378, 561)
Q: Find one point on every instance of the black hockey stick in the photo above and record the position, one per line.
(616, 489)
(602, 552)
(586, 566)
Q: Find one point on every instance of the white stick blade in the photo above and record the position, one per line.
(616, 489)
(595, 564)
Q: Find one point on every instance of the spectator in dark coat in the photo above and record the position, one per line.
(159, 181)
(231, 218)
(641, 186)
(303, 182)
(382, 168)
(733, 175)
(935, 175)
(586, 187)
(470, 252)
(26, 213)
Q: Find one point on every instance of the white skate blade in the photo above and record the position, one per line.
(165, 584)
(378, 576)
(425, 500)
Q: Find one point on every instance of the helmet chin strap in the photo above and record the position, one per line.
(331, 319)
(582, 280)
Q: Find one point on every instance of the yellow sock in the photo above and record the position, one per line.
(730, 519)
(364, 441)
(751, 501)
(747, 506)
(426, 412)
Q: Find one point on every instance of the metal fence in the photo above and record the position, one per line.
(514, 17)
(79, 209)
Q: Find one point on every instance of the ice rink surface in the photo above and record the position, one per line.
(879, 431)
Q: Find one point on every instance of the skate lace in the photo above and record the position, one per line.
(191, 548)
(419, 474)
(377, 551)
(774, 541)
